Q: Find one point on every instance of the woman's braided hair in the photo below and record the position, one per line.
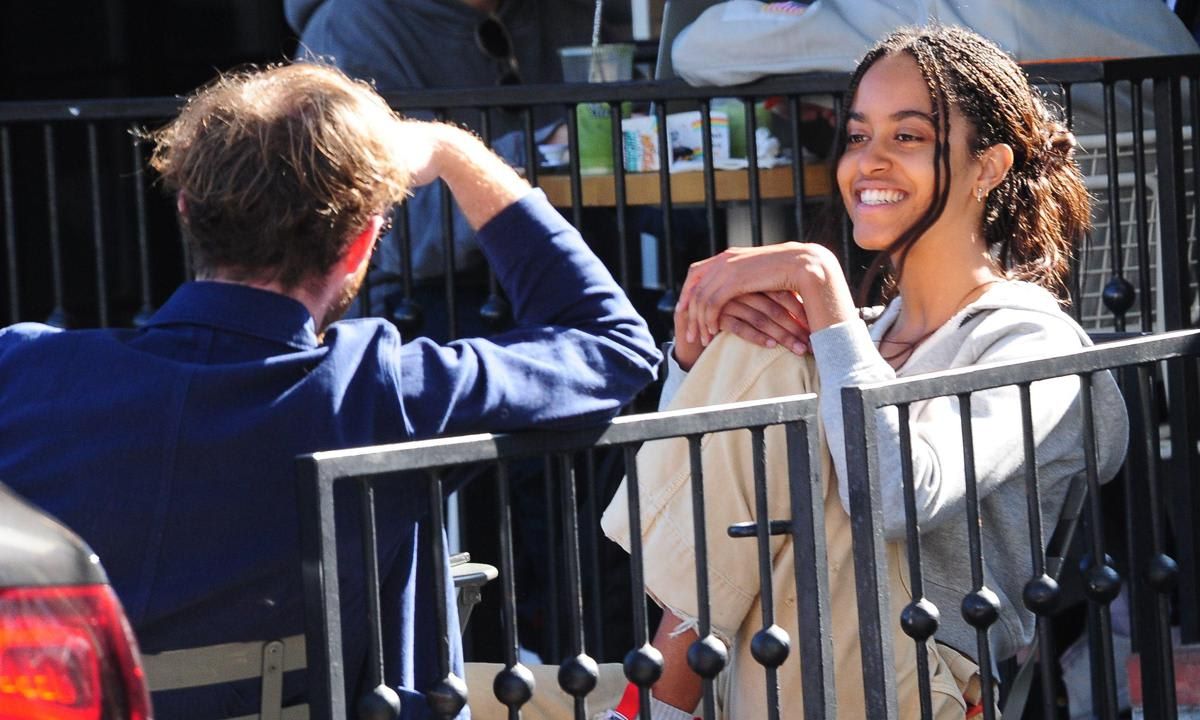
(1034, 217)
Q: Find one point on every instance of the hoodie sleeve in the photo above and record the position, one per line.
(846, 356)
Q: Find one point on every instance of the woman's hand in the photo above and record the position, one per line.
(805, 269)
(766, 319)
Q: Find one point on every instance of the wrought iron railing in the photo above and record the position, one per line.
(85, 244)
(1153, 575)
(1160, 582)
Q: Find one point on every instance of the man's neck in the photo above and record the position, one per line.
(317, 304)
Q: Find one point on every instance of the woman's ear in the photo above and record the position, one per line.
(994, 164)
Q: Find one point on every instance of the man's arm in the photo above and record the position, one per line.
(481, 182)
(579, 350)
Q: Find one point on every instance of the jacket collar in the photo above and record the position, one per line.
(231, 307)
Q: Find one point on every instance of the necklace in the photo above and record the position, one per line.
(907, 347)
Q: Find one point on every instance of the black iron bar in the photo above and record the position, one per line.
(449, 695)
(591, 525)
(143, 236)
(1067, 104)
(1104, 691)
(979, 615)
(642, 674)
(1195, 113)
(552, 596)
(1076, 277)
(753, 185)
(797, 163)
(370, 546)
(1140, 218)
(839, 110)
(710, 177)
(921, 624)
(666, 304)
(531, 149)
(98, 226)
(1037, 550)
(571, 671)
(619, 199)
(58, 315)
(512, 686)
(573, 165)
(766, 594)
(811, 566)
(1117, 291)
(702, 649)
(10, 226)
(1151, 613)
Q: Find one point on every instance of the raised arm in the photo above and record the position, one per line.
(578, 352)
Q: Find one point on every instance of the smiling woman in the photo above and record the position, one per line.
(952, 168)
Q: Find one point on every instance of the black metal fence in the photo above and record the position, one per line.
(86, 243)
(89, 242)
(1161, 580)
(1161, 592)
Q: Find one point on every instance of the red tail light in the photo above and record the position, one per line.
(67, 653)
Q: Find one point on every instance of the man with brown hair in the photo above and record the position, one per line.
(170, 448)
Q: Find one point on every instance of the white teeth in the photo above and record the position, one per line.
(880, 197)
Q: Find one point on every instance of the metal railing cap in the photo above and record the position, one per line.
(986, 376)
(484, 447)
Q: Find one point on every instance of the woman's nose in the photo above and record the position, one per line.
(872, 158)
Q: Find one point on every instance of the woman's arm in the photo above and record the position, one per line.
(847, 356)
(806, 269)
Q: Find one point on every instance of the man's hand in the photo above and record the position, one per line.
(419, 141)
(763, 318)
(480, 180)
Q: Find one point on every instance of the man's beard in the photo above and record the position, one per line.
(345, 297)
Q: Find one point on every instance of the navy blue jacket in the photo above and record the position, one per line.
(170, 448)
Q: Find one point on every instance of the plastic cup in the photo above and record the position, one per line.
(601, 63)
(735, 109)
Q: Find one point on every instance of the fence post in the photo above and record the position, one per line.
(1181, 376)
(870, 560)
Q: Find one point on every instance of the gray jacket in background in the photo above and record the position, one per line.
(740, 41)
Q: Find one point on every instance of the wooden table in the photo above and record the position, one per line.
(687, 188)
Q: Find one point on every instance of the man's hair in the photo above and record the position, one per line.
(278, 169)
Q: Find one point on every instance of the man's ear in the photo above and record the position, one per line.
(358, 252)
(994, 162)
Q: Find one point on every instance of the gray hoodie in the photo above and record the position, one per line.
(742, 40)
(1012, 320)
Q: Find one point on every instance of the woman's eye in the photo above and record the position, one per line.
(907, 137)
(855, 139)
